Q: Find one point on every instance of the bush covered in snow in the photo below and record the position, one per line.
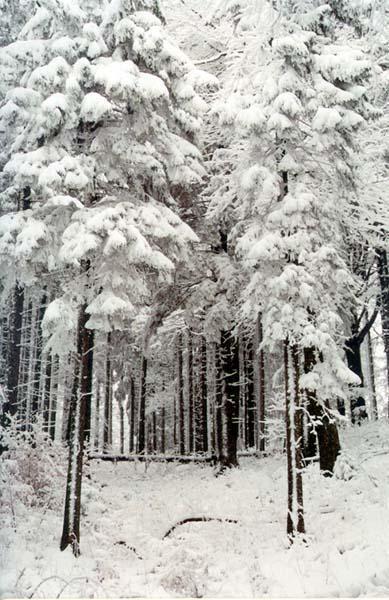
(32, 469)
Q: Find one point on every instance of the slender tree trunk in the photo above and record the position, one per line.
(78, 411)
(163, 430)
(242, 392)
(230, 373)
(142, 407)
(69, 372)
(373, 389)
(131, 416)
(97, 416)
(295, 517)
(10, 407)
(383, 274)
(89, 383)
(53, 397)
(36, 331)
(47, 392)
(262, 390)
(191, 430)
(180, 391)
(154, 430)
(250, 397)
(121, 427)
(219, 396)
(26, 409)
(204, 394)
(4, 349)
(108, 396)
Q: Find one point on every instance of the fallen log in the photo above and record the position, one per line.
(152, 458)
(197, 520)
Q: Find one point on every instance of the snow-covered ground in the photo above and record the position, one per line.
(129, 507)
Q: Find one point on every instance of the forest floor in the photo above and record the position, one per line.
(129, 507)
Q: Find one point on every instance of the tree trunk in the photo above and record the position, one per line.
(142, 407)
(219, 396)
(190, 393)
(250, 397)
(262, 391)
(230, 372)
(10, 407)
(204, 394)
(53, 398)
(97, 416)
(295, 517)
(108, 396)
(383, 274)
(373, 389)
(78, 411)
(89, 384)
(121, 427)
(47, 392)
(36, 331)
(154, 430)
(180, 393)
(163, 431)
(131, 417)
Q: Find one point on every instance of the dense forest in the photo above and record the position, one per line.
(193, 241)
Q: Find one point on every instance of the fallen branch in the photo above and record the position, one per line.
(197, 520)
(134, 550)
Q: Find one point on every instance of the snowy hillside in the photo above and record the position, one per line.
(129, 507)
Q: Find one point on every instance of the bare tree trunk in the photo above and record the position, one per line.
(47, 391)
(230, 372)
(131, 416)
(53, 398)
(190, 393)
(78, 410)
(373, 389)
(89, 383)
(39, 375)
(26, 370)
(10, 406)
(383, 274)
(295, 517)
(121, 427)
(4, 349)
(250, 399)
(108, 396)
(219, 396)
(97, 416)
(242, 392)
(163, 430)
(204, 394)
(69, 371)
(154, 430)
(142, 407)
(180, 392)
(262, 390)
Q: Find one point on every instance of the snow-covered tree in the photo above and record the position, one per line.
(295, 113)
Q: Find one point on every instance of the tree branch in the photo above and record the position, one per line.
(197, 520)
